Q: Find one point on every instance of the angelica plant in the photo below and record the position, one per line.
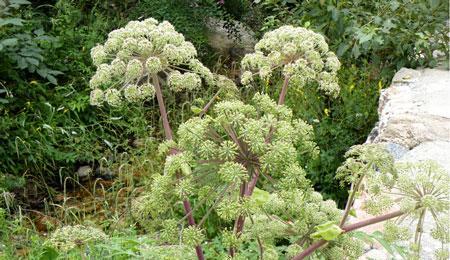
(223, 156)
(227, 153)
(239, 162)
(137, 61)
(415, 190)
(70, 237)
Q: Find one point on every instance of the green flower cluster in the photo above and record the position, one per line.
(300, 54)
(70, 237)
(417, 189)
(134, 57)
(224, 150)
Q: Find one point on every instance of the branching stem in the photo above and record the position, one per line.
(284, 90)
(313, 247)
(169, 136)
(208, 105)
(350, 201)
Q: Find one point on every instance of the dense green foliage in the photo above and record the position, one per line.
(48, 127)
(391, 34)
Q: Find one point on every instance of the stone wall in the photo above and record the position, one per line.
(414, 124)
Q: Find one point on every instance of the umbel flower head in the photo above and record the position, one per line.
(420, 190)
(300, 54)
(136, 57)
(69, 237)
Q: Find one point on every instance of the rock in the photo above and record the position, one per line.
(220, 39)
(106, 173)
(414, 124)
(396, 150)
(433, 150)
(84, 171)
(416, 108)
(405, 75)
(373, 134)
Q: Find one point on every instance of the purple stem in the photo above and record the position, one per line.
(169, 136)
(314, 246)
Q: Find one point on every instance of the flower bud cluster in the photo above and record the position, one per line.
(70, 237)
(183, 81)
(301, 54)
(228, 145)
(131, 59)
(192, 236)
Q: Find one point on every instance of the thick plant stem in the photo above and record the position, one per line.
(350, 201)
(313, 247)
(169, 136)
(247, 192)
(252, 183)
(162, 109)
(284, 90)
(239, 223)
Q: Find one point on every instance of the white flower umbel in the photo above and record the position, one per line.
(300, 54)
(137, 55)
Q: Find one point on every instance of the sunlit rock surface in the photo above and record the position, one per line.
(414, 124)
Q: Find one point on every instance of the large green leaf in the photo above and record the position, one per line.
(328, 231)
(11, 21)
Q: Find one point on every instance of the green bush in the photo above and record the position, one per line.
(22, 41)
(49, 129)
(391, 34)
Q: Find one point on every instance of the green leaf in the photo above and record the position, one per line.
(434, 3)
(9, 42)
(33, 61)
(394, 5)
(343, 48)
(49, 254)
(12, 21)
(377, 235)
(328, 231)
(52, 79)
(355, 51)
(260, 196)
(196, 110)
(39, 31)
(363, 236)
(365, 37)
(16, 3)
